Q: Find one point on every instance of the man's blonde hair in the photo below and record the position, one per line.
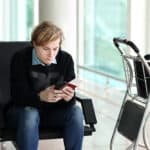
(46, 32)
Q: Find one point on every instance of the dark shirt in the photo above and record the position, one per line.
(28, 80)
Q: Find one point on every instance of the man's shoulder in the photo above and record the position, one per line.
(23, 55)
(64, 54)
(24, 52)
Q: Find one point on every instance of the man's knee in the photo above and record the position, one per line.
(76, 116)
(29, 117)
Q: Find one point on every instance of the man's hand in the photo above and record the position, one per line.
(50, 95)
(68, 93)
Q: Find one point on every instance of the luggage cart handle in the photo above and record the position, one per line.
(125, 41)
(134, 47)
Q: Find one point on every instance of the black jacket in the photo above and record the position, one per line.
(28, 80)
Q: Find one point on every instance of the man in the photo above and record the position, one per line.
(39, 97)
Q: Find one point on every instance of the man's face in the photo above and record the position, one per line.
(48, 52)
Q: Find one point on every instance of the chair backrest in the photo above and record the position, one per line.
(7, 50)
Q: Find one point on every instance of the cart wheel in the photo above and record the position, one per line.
(146, 132)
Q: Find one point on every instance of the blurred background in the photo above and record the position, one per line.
(89, 27)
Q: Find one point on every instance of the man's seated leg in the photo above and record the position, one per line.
(69, 120)
(26, 122)
(74, 129)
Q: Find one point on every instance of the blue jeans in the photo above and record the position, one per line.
(27, 120)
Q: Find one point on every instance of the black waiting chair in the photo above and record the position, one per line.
(6, 134)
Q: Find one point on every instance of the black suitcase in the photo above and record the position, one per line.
(131, 119)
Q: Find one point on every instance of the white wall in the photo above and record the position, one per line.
(139, 21)
(148, 25)
(62, 13)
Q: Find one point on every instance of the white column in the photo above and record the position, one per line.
(148, 26)
(62, 13)
(138, 21)
(36, 12)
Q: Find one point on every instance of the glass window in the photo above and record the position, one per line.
(17, 19)
(101, 21)
(30, 17)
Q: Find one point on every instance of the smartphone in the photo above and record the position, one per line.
(73, 86)
(61, 86)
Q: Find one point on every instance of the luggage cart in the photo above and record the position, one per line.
(134, 115)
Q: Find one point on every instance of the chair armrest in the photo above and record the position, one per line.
(88, 111)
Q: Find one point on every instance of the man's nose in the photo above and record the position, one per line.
(50, 52)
